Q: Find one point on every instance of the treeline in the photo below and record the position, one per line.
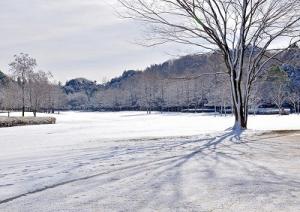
(30, 90)
(150, 92)
(192, 83)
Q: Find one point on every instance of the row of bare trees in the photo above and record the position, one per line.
(151, 92)
(30, 90)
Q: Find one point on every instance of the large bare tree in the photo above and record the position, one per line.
(242, 31)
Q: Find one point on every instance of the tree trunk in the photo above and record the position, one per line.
(238, 105)
(215, 109)
(23, 95)
(280, 110)
(240, 119)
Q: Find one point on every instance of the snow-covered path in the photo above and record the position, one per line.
(76, 166)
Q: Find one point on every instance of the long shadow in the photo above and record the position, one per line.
(206, 147)
(209, 144)
(210, 149)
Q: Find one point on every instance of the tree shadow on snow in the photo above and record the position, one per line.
(230, 150)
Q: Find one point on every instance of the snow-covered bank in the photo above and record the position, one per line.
(25, 121)
(130, 161)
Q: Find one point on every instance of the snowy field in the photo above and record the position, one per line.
(131, 161)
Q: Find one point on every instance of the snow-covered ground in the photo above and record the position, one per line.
(131, 161)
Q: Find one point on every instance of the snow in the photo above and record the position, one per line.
(131, 161)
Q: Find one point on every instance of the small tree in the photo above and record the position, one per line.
(21, 67)
(11, 97)
(294, 98)
(40, 90)
(276, 85)
(57, 98)
(256, 97)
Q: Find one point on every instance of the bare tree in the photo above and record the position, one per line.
(275, 86)
(294, 98)
(242, 31)
(147, 97)
(256, 97)
(21, 67)
(57, 98)
(279, 95)
(40, 90)
(10, 97)
(77, 100)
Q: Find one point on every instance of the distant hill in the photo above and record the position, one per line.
(80, 85)
(190, 65)
(117, 81)
(291, 66)
(194, 65)
(3, 77)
